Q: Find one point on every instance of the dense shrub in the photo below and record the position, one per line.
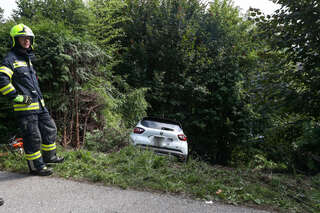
(294, 144)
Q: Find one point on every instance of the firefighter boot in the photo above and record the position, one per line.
(54, 159)
(45, 171)
(51, 157)
(37, 167)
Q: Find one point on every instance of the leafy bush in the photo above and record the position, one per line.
(294, 144)
(109, 139)
(243, 153)
(259, 162)
(307, 148)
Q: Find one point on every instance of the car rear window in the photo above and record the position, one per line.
(160, 125)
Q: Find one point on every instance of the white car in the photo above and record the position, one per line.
(162, 136)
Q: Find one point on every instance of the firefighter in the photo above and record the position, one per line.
(18, 82)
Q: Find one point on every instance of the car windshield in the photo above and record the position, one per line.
(160, 125)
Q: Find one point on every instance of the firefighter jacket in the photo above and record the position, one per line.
(18, 77)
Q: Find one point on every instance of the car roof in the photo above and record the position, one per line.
(162, 120)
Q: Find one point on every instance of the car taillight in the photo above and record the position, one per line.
(138, 130)
(182, 137)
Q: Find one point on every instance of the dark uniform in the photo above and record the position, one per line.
(18, 77)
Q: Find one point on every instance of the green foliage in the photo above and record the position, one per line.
(123, 111)
(103, 65)
(108, 16)
(75, 74)
(243, 154)
(293, 142)
(110, 139)
(187, 60)
(73, 13)
(185, 55)
(290, 89)
(5, 38)
(260, 162)
(295, 28)
(133, 107)
(66, 63)
(279, 142)
(307, 149)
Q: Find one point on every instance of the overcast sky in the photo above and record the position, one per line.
(8, 6)
(266, 6)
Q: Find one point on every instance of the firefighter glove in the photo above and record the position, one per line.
(24, 99)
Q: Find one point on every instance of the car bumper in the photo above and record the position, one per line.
(163, 150)
(179, 149)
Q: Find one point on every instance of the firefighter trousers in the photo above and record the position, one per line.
(39, 133)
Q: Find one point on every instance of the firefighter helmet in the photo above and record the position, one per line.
(21, 30)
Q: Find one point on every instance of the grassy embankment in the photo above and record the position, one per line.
(135, 169)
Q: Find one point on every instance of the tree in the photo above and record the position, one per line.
(188, 57)
(294, 30)
(109, 18)
(293, 34)
(73, 13)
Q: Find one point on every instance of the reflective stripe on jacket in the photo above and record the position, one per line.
(18, 77)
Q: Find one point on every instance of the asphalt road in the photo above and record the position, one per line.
(30, 194)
